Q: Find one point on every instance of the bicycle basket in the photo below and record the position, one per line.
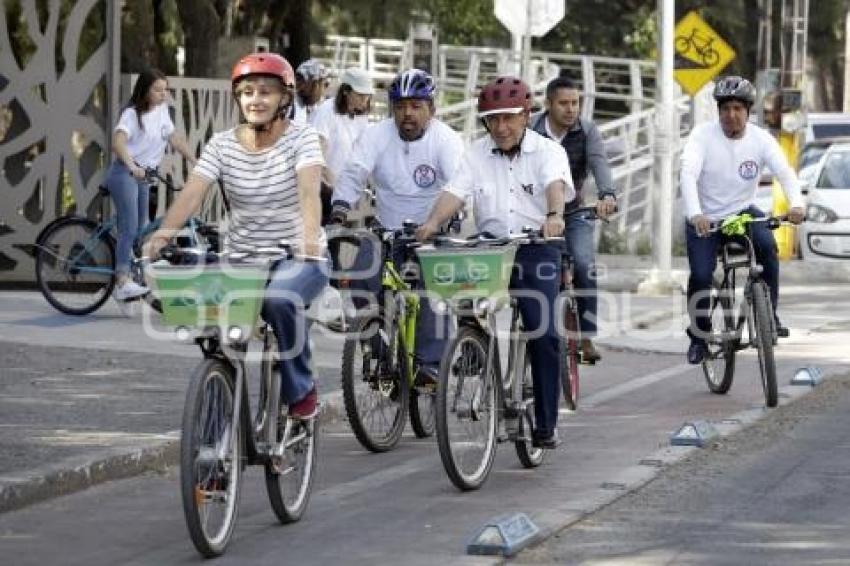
(221, 295)
(454, 274)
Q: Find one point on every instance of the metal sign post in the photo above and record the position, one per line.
(526, 19)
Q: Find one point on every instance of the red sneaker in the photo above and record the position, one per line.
(306, 408)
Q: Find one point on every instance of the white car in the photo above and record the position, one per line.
(825, 235)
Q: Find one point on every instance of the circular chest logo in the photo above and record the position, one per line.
(424, 176)
(748, 170)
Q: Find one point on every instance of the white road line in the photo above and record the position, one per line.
(629, 386)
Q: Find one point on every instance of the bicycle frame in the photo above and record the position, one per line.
(754, 271)
(409, 312)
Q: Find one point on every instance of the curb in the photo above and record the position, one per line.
(41, 485)
(34, 486)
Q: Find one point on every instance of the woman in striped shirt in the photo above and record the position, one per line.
(270, 168)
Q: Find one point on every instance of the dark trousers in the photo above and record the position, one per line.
(537, 270)
(702, 258)
(432, 329)
(579, 238)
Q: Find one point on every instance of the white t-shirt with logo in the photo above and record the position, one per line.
(146, 146)
(408, 175)
(720, 175)
(509, 193)
(339, 132)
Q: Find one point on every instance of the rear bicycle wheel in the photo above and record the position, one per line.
(289, 479)
(762, 324)
(210, 458)
(570, 355)
(374, 390)
(423, 411)
(529, 456)
(467, 410)
(718, 366)
(74, 267)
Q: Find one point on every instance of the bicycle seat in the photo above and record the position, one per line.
(103, 190)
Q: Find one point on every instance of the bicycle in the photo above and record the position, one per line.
(216, 304)
(379, 364)
(729, 314)
(75, 256)
(474, 397)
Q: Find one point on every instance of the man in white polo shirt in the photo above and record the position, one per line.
(409, 158)
(516, 178)
(339, 121)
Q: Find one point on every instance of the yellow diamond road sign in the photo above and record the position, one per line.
(700, 53)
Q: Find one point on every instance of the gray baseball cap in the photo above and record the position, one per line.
(358, 79)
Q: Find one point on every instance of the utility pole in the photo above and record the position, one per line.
(660, 280)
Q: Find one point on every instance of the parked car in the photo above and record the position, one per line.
(811, 154)
(826, 233)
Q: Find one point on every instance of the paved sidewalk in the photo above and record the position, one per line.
(88, 399)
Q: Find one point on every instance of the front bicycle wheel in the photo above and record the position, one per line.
(762, 324)
(210, 458)
(570, 355)
(374, 388)
(529, 456)
(74, 266)
(467, 407)
(718, 366)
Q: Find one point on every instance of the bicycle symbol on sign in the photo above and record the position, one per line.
(701, 45)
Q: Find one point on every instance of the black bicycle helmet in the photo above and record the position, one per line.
(735, 88)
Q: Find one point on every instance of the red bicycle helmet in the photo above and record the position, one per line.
(270, 64)
(504, 95)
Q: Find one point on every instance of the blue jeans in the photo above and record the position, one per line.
(579, 238)
(432, 329)
(537, 268)
(292, 286)
(702, 258)
(131, 198)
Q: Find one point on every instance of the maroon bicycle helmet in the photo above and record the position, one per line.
(508, 95)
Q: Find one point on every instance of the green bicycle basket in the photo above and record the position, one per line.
(454, 274)
(211, 295)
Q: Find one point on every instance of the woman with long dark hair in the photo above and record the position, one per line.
(139, 140)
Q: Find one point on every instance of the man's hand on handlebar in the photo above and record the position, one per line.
(796, 215)
(553, 226)
(606, 207)
(426, 231)
(701, 224)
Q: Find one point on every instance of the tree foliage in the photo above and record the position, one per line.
(617, 28)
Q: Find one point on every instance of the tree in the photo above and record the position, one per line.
(202, 26)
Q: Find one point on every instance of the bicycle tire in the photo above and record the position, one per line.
(364, 379)
(570, 355)
(64, 253)
(529, 456)
(289, 488)
(204, 475)
(470, 346)
(422, 412)
(719, 364)
(763, 341)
